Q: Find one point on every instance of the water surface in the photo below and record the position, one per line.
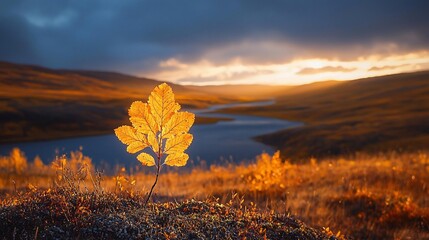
(224, 141)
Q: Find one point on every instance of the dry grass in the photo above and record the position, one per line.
(69, 200)
(363, 197)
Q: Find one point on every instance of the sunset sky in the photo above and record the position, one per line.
(220, 41)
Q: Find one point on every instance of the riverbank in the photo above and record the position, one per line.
(388, 113)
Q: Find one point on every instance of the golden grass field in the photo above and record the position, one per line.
(380, 196)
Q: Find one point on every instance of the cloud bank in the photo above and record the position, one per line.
(263, 37)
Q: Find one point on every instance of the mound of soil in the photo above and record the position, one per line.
(64, 215)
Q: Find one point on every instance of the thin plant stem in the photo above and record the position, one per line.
(158, 166)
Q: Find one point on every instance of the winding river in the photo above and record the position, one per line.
(218, 143)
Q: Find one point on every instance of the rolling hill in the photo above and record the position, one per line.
(253, 91)
(364, 115)
(38, 103)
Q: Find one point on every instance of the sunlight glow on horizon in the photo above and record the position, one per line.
(295, 72)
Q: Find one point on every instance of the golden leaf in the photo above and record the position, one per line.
(177, 159)
(159, 125)
(141, 118)
(180, 122)
(128, 135)
(178, 143)
(162, 104)
(146, 159)
(137, 146)
(153, 141)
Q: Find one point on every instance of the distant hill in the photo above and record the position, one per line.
(41, 103)
(249, 91)
(18, 80)
(372, 114)
(38, 103)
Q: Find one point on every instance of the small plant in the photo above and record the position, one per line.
(158, 124)
(268, 173)
(72, 171)
(15, 163)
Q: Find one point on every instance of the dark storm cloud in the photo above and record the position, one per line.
(15, 40)
(135, 34)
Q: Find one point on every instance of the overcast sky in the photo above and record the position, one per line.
(220, 41)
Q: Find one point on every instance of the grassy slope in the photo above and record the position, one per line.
(373, 114)
(40, 103)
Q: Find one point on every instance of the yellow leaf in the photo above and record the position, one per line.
(153, 141)
(141, 118)
(158, 124)
(146, 159)
(129, 136)
(126, 134)
(162, 104)
(178, 143)
(177, 159)
(179, 123)
(137, 146)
